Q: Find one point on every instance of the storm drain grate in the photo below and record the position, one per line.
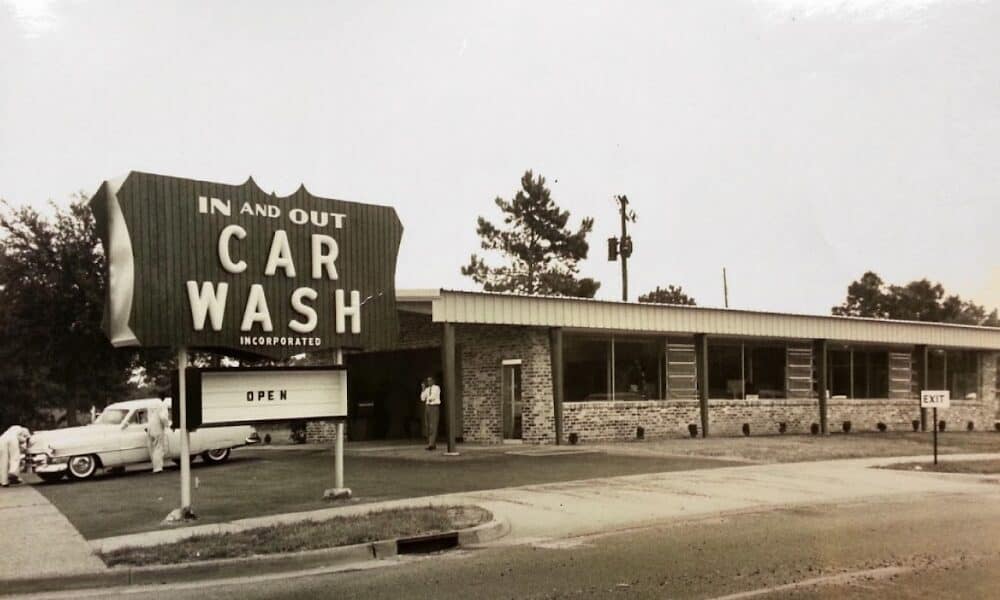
(426, 544)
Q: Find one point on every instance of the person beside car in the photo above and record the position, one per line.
(10, 453)
(156, 424)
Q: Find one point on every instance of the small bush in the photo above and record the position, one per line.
(573, 439)
(746, 429)
(814, 428)
(846, 427)
(970, 426)
(916, 424)
(693, 430)
(267, 438)
(782, 427)
(881, 427)
(996, 426)
(640, 433)
(942, 424)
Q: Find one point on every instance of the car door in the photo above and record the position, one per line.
(132, 445)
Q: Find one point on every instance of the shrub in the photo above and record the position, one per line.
(916, 424)
(846, 427)
(970, 426)
(573, 439)
(267, 438)
(746, 429)
(782, 427)
(942, 424)
(814, 428)
(693, 430)
(881, 427)
(996, 426)
(640, 433)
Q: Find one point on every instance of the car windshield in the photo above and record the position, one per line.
(112, 416)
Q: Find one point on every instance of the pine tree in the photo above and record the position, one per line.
(542, 252)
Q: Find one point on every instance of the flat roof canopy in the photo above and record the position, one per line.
(489, 308)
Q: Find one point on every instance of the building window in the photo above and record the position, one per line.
(738, 371)
(962, 371)
(613, 368)
(858, 372)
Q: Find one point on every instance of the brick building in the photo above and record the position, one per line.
(546, 370)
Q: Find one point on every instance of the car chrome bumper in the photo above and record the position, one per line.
(52, 468)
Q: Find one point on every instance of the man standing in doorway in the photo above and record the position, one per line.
(430, 395)
(156, 426)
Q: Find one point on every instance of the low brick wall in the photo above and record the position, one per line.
(611, 421)
(726, 417)
(898, 415)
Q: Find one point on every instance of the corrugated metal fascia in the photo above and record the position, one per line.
(499, 309)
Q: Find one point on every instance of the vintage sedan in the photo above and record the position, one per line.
(118, 438)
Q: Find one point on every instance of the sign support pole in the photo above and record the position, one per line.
(935, 434)
(184, 513)
(338, 492)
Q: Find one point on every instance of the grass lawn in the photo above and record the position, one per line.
(309, 535)
(796, 448)
(975, 467)
(259, 482)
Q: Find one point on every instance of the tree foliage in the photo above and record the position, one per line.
(54, 354)
(542, 252)
(919, 300)
(669, 295)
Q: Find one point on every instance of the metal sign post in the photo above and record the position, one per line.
(935, 399)
(184, 513)
(338, 491)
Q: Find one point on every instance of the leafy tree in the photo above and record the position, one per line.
(543, 252)
(54, 354)
(919, 300)
(669, 295)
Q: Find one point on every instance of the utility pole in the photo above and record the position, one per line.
(622, 246)
(725, 287)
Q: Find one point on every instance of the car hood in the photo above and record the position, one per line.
(69, 436)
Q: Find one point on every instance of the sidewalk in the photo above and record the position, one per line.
(44, 541)
(552, 511)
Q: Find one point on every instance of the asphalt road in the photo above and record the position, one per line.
(920, 547)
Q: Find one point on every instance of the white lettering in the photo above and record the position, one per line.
(280, 255)
(227, 262)
(353, 311)
(324, 252)
(208, 301)
(256, 310)
(303, 309)
(298, 216)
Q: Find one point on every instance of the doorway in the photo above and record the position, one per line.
(510, 395)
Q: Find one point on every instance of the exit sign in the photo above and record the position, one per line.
(935, 399)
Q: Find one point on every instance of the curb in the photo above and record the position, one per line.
(236, 567)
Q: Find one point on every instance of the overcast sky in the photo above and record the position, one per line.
(796, 143)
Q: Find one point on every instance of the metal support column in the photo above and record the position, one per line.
(701, 364)
(820, 355)
(556, 348)
(450, 392)
(925, 358)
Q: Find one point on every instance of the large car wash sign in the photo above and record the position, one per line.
(201, 264)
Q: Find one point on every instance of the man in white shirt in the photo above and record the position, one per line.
(156, 439)
(10, 453)
(430, 395)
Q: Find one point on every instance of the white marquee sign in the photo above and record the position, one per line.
(241, 396)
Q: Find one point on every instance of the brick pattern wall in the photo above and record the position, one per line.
(483, 350)
(726, 417)
(323, 432)
(611, 421)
